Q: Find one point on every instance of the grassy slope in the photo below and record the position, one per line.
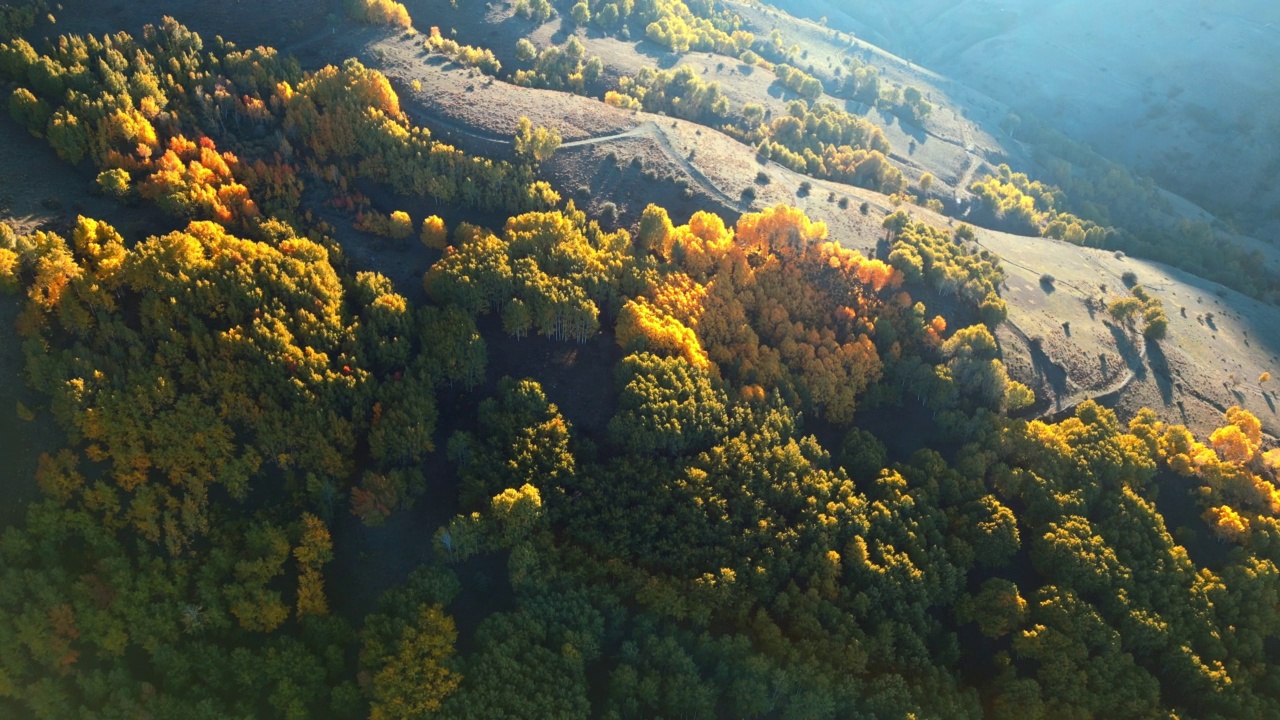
(1190, 87)
(1244, 341)
(1199, 357)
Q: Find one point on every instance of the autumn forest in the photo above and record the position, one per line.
(803, 483)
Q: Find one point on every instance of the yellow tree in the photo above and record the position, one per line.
(1227, 524)
(434, 233)
(400, 225)
(536, 143)
(315, 548)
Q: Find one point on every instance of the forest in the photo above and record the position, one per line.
(811, 496)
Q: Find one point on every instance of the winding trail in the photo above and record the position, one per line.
(1113, 387)
(649, 130)
(972, 162)
(449, 125)
(1058, 407)
(646, 130)
(652, 131)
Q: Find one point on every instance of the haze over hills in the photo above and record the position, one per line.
(1181, 91)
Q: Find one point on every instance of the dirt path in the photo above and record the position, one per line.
(653, 131)
(1058, 408)
(433, 121)
(665, 143)
(648, 130)
(645, 129)
(971, 160)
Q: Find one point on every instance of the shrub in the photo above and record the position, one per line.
(762, 178)
(525, 50)
(609, 213)
(1156, 327)
(115, 182)
(1129, 278)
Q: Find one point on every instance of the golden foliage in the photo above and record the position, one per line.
(1227, 523)
(379, 12)
(434, 233)
(642, 326)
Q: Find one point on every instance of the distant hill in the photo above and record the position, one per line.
(1188, 98)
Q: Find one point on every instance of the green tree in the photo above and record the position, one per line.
(998, 609)
(666, 406)
(525, 50)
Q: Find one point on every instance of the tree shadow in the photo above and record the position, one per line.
(915, 132)
(566, 29)
(856, 107)
(1176, 501)
(1128, 351)
(662, 57)
(1050, 373)
(1270, 403)
(1160, 369)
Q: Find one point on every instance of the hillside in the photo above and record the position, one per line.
(1188, 82)
(1211, 366)
(595, 359)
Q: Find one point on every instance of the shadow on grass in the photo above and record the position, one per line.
(1160, 369)
(1128, 351)
(1053, 374)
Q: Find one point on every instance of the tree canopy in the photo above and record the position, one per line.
(791, 491)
